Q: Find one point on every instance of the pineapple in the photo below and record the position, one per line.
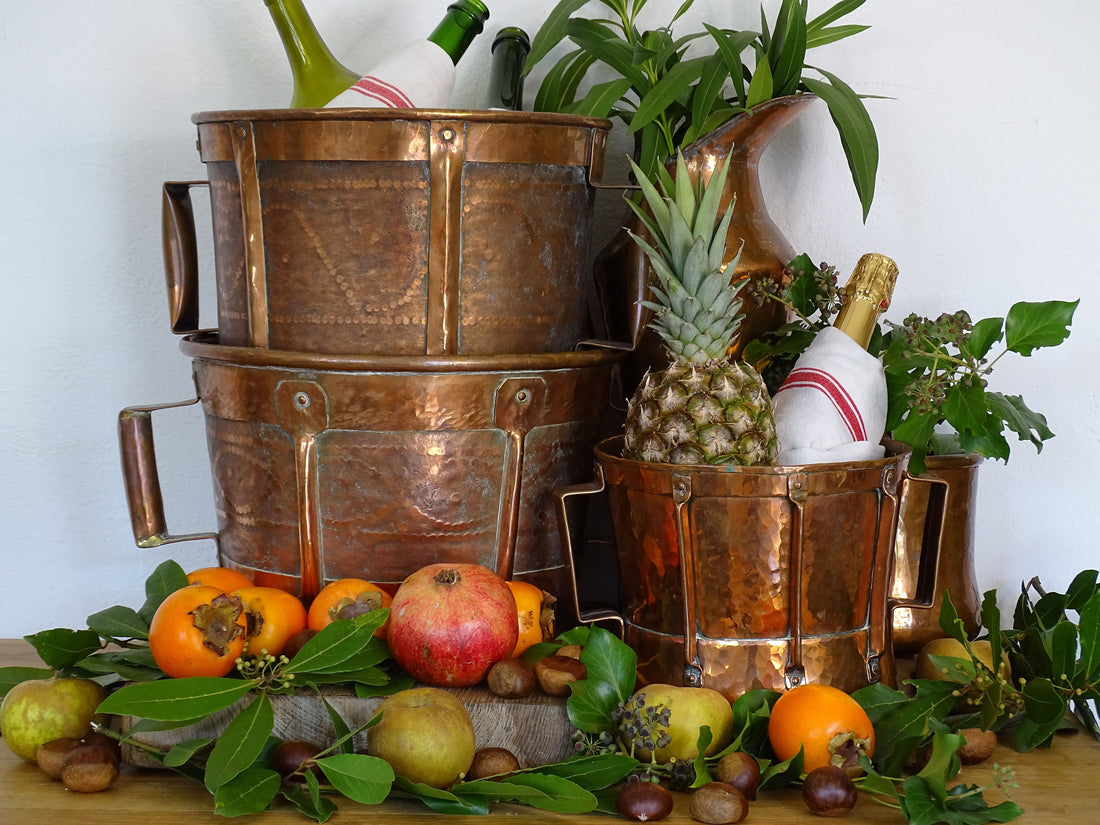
(703, 408)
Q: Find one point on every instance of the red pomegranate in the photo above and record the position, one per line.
(450, 623)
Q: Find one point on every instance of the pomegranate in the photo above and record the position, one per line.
(450, 623)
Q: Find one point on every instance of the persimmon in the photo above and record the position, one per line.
(273, 616)
(224, 578)
(198, 631)
(535, 613)
(828, 725)
(345, 599)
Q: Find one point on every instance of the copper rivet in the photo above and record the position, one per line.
(302, 400)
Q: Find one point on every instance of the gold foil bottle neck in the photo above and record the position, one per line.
(866, 296)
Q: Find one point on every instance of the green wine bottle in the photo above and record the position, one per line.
(318, 75)
(421, 75)
(510, 49)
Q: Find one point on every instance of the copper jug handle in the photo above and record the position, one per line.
(929, 563)
(598, 615)
(139, 473)
(181, 258)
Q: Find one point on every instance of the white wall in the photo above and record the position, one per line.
(986, 195)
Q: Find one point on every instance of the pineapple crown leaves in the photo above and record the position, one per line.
(698, 311)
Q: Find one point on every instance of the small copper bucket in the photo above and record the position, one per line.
(384, 231)
(780, 575)
(327, 467)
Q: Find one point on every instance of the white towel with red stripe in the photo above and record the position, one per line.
(420, 76)
(832, 407)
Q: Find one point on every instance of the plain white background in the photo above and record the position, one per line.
(987, 194)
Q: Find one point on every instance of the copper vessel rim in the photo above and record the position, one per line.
(205, 346)
(345, 114)
(611, 449)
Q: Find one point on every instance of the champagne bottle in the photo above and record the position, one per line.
(422, 74)
(832, 405)
(509, 50)
(866, 296)
(318, 76)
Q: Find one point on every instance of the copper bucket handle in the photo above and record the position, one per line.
(139, 473)
(181, 259)
(928, 568)
(598, 615)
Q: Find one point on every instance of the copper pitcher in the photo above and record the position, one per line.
(736, 578)
(327, 467)
(378, 231)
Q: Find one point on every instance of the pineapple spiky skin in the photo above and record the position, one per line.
(703, 408)
(713, 413)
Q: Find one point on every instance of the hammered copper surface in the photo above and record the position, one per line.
(780, 575)
(365, 231)
(916, 625)
(326, 468)
(621, 268)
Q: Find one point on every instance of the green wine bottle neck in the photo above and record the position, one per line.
(464, 21)
(318, 75)
(510, 49)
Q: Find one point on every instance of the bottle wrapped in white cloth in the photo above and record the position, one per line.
(832, 407)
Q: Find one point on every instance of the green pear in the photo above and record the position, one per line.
(689, 709)
(425, 734)
(41, 710)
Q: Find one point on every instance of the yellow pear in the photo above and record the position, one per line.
(983, 651)
(426, 735)
(689, 709)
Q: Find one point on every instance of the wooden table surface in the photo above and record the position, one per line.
(1058, 786)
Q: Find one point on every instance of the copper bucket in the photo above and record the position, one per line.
(781, 575)
(381, 231)
(327, 467)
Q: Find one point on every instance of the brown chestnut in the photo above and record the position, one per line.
(89, 769)
(556, 673)
(718, 803)
(829, 791)
(511, 679)
(644, 801)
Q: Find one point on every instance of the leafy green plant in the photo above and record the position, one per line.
(669, 94)
(937, 371)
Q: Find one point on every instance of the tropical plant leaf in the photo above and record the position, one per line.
(667, 90)
(857, 132)
(551, 32)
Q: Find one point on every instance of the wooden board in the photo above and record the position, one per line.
(536, 729)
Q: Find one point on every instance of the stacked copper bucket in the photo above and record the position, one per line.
(398, 374)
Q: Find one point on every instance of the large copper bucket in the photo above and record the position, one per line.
(384, 231)
(327, 467)
(736, 578)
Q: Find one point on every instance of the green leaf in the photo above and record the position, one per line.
(600, 41)
(590, 705)
(337, 643)
(558, 89)
(1081, 589)
(601, 98)
(166, 579)
(1014, 413)
(241, 742)
(365, 779)
(831, 35)
(309, 803)
(62, 648)
(983, 335)
(185, 751)
(730, 46)
(592, 772)
(551, 32)
(12, 676)
(176, 700)
(607, 659)
(787, 52)
(339, 727)
(942, 764)
(857, 132)
(443, 802)
(1046, 706)
(965, 408)
(1063, 653)
(132, 665)
(1030, 326)
(538, 790)
(1089, 629)
(250, 792)
(119, 622)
